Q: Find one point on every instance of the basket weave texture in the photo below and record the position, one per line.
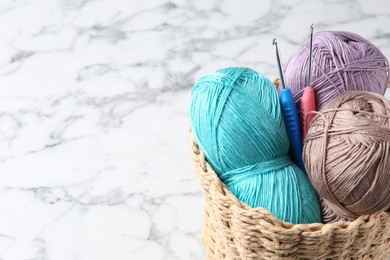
(233, 230)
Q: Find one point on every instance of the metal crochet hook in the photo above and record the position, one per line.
(274, 42)
(310, 54)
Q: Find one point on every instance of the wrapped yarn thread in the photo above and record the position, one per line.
(342, 61)
(347, 155)
(236, 120)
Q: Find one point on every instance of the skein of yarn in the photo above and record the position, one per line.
(347, 155)
(236, 120)
(342, 61)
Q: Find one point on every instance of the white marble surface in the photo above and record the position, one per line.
(94, 95)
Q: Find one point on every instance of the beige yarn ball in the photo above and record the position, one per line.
(347, 155)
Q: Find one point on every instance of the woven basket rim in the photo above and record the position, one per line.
(267, 215)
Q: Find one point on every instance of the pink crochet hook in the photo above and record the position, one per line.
(308, 101)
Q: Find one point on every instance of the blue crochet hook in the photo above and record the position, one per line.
(290, 116)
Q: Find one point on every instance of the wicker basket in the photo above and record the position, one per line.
(233, 230)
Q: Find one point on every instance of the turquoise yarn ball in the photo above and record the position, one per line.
(237, 121)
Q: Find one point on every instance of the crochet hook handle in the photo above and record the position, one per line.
(291, 121)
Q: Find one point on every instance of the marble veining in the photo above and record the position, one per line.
(94, 95)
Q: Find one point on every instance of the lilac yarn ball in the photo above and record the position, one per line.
(342, 61)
